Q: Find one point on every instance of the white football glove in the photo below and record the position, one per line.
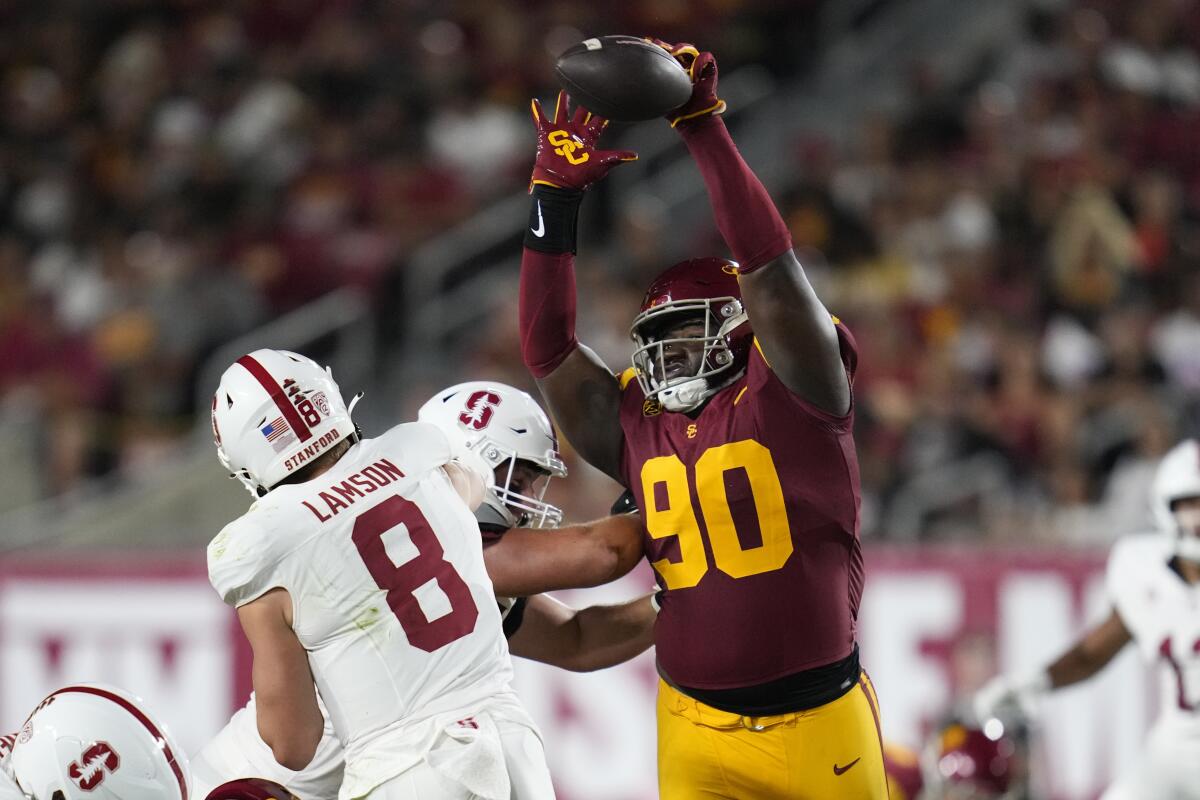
(1006, 696)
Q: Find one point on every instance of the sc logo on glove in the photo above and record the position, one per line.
(566, 145)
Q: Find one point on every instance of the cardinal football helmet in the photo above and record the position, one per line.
(93, 742)
(272, 413)
(1177, 478)
(965, 763)
(703, 288)
(250, 789)
(503, 426)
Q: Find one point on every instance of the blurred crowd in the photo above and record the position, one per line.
(175, 173)
(1020, 259)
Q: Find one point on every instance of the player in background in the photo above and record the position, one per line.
(92, 742)
(733, 429)
(511, 433)
(903, 768)
(359, 571)
(1153, 584)
(965, 763)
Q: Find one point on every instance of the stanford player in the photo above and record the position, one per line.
(507, 429)
(1153, 585)
(359, 569)
(733, 430)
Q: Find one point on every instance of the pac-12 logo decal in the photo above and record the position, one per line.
(94, 766)
(478, 412)
(321, 402)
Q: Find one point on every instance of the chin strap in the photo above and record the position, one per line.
(688, 395)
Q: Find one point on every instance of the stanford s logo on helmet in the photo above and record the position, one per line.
(96, 762)
(502, 425)
(705, 289)
(273, 412)
(478, 412)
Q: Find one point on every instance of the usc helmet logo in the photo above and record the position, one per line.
(565, 145)
(729, 269)
(478, 412)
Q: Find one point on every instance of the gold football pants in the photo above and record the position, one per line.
(832, 752)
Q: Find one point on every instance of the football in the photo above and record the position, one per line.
(623, 78)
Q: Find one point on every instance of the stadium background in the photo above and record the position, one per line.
(999, 198)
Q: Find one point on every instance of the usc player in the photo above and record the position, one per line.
(733, 430)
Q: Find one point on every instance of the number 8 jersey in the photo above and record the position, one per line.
(384, 565)
(751, 508)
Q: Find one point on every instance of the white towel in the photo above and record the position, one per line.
(470, 754)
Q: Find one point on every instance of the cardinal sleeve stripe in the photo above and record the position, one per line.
(276, 392)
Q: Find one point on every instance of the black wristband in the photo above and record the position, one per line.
(552, 217)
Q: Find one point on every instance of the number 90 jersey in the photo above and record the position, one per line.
(384, 565)
(1162, 612)
(751, 510)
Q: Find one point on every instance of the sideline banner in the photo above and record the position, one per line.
(934, 624)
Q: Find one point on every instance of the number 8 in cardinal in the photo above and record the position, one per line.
(402, 580)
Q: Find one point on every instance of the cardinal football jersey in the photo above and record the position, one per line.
(751, 510)
(1162, 611)
(384, 565)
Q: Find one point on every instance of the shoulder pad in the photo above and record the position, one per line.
(416, 447)
(1132, 556)
(241, 562)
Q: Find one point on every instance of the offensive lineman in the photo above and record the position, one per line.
(733, 430)
(1153, 584)
(511, 433)
(359, 571)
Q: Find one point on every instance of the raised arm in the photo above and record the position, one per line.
(588, 639)
(793, 328)
(525, 561)
(582, 393)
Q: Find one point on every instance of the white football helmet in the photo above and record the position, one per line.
(272, 413)
(1178, 477)
(502, 425)
(94, 742)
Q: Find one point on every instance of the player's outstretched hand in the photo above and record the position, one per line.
(1007, 697)
(566, 149)
(702, 68)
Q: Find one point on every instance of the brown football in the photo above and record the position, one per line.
(623, 78)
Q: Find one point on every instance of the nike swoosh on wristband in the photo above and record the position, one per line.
(840, 770)
(540, 230)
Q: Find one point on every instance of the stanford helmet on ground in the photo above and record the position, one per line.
(623, 78)
(99, 743)
(250, 789)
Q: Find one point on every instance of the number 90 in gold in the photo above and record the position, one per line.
(677, 514)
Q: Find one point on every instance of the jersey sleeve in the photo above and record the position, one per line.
(419, 447)
(242, 563)
(770, 390)
(1127, 583)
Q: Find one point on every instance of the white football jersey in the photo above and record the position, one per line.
(384, 565)
(1162, 612)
